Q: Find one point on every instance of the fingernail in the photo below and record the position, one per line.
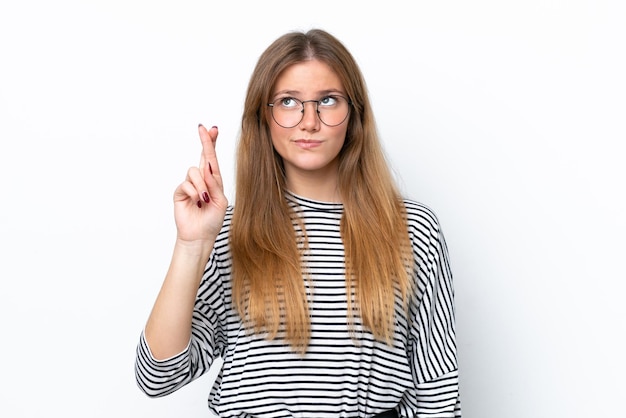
(210, 169)
(199, 125)
(205, 196)
(214, 126)
(199, 203)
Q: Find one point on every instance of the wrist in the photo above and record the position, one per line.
(193, 248)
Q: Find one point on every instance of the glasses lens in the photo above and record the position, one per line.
(287, 112)
(332, 111)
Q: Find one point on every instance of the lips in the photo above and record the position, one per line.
(307, 143)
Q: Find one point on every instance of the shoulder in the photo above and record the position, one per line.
(222, 242)
(229, 213)
(426, 236)
(228, 217)
(422, 217)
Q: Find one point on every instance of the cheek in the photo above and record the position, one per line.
(280, 140)
(341, 137)
(275, 134)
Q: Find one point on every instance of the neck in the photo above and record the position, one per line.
(315, 186)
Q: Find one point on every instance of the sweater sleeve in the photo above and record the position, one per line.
(162, 377)
(433, 355)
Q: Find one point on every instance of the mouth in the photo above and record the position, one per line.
(308, 143)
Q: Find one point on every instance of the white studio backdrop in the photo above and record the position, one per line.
(507, 118)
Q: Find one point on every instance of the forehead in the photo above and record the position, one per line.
(310, 77)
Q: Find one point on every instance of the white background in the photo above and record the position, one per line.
(507, 118)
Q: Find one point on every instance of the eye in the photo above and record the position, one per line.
(328, 101)
(288, 103)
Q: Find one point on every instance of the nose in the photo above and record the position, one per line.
(310, 120)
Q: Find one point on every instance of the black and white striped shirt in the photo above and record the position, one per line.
(345, 372)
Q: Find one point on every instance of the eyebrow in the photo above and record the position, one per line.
(296, 92)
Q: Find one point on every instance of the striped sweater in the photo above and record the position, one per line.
(345, 371)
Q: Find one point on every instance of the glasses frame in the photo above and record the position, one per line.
(317, 109)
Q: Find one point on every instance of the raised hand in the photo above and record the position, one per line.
(199, 202)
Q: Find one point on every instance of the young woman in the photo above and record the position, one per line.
(325, 292)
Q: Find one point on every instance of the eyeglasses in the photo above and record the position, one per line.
(332, 110)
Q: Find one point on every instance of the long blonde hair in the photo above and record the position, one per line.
(267, 278)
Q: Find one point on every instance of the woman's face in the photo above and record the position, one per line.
(310, 148)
